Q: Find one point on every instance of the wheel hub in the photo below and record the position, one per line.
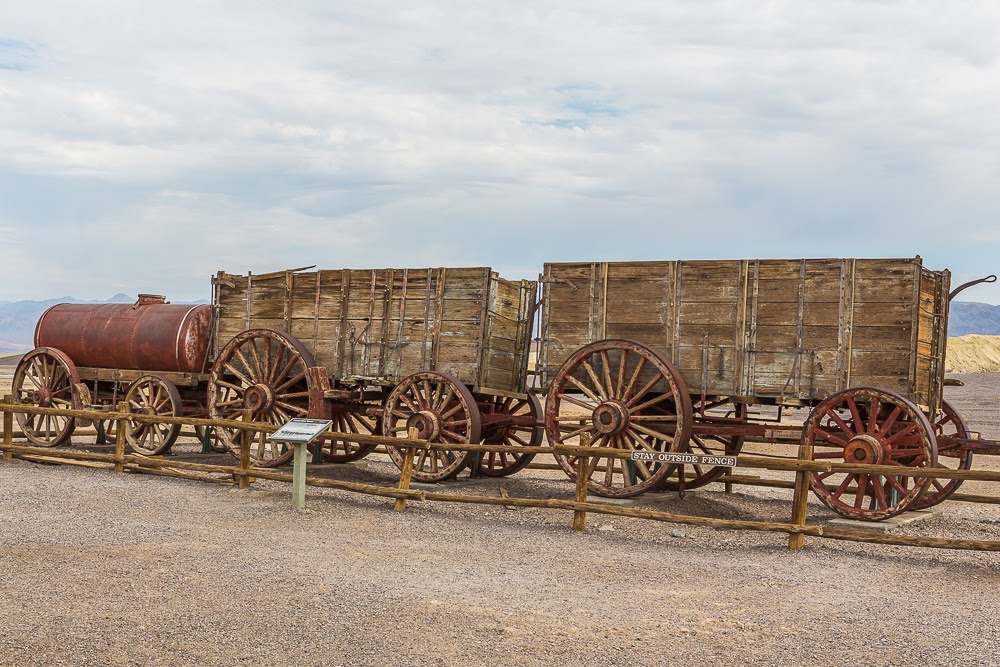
(865, 449)
(610, 418)
(259, 398)
(428, 425)
(42, 398)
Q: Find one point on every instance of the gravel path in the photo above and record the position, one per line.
(109, 569)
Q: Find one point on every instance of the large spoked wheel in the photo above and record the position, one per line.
(263, 370)
(866, 426)
(443, 411)
(621, 395)
(45, 378)
(518, 428)
(348, 420)
(710, 444)
(949, 424)
(152, 395)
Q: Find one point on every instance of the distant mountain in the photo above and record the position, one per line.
(966, 317)
(18, 319)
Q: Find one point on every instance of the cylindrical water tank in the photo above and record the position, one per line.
(149, 335)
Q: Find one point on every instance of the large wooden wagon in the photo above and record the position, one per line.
(379, 351)
(671, 357)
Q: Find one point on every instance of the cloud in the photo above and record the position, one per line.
(156, 144)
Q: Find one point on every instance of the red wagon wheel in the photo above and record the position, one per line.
(442, 410)
(712, 445)
(263, 370)
(152, 395)
(350, 421)
(519, 433)
(949, 424)
(870, 427)
(45, 377)
(629, 397)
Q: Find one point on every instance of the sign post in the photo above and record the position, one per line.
(300, 433)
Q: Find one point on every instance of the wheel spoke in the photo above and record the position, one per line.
(634, 379)
(601, 390)
(606, 364)
(585, 389)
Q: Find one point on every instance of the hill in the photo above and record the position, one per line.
(967, 317)
(18, 319)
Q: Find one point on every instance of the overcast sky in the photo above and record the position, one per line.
(147, 145)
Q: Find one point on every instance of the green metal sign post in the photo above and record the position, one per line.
(300, 433)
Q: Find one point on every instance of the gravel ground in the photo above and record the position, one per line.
(109, 569)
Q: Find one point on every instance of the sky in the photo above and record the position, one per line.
(146, 146)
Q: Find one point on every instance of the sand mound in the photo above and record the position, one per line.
(973, 353)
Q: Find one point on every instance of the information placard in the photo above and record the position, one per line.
(689, 459)
(300, 430)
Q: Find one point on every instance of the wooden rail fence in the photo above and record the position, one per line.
(243, 474)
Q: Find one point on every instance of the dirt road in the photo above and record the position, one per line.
(110, 569)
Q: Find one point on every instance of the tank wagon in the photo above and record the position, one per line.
(152, 355)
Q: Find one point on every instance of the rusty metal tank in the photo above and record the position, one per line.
(150, 335)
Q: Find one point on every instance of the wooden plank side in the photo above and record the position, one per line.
(508, 334)
(708, 329)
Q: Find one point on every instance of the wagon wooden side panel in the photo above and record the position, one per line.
(586, 302)
(709, 345)
(785, 331)
(383, 324)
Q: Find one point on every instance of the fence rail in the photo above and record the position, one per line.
(243, 474)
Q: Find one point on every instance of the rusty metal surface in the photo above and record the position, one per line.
(150, 335)
(964, 286)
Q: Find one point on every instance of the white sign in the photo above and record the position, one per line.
(300, 430)
(690, 459)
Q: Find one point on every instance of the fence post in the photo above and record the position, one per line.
(407, 471)
(120, 438)
(582, 476)
(800, 499)
(246, 435)
(8, 427)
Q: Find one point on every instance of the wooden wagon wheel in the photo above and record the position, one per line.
(348, 420)
(263, 370)
(712, 445)
(950, 424)
(501, 464)
(442, 410)
(630, 397)
(45, 377)
(870, 427)
(152, 395)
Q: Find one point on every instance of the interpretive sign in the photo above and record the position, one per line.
(300, 430)
(689, 459)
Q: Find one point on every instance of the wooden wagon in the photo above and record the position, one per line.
(380, 351)
(672, 357)
(150, 355)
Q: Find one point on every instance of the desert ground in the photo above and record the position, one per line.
(111, 569)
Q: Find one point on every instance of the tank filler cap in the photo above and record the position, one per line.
(149, 300)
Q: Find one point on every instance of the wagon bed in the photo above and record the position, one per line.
(380, 325)
(788, 332)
